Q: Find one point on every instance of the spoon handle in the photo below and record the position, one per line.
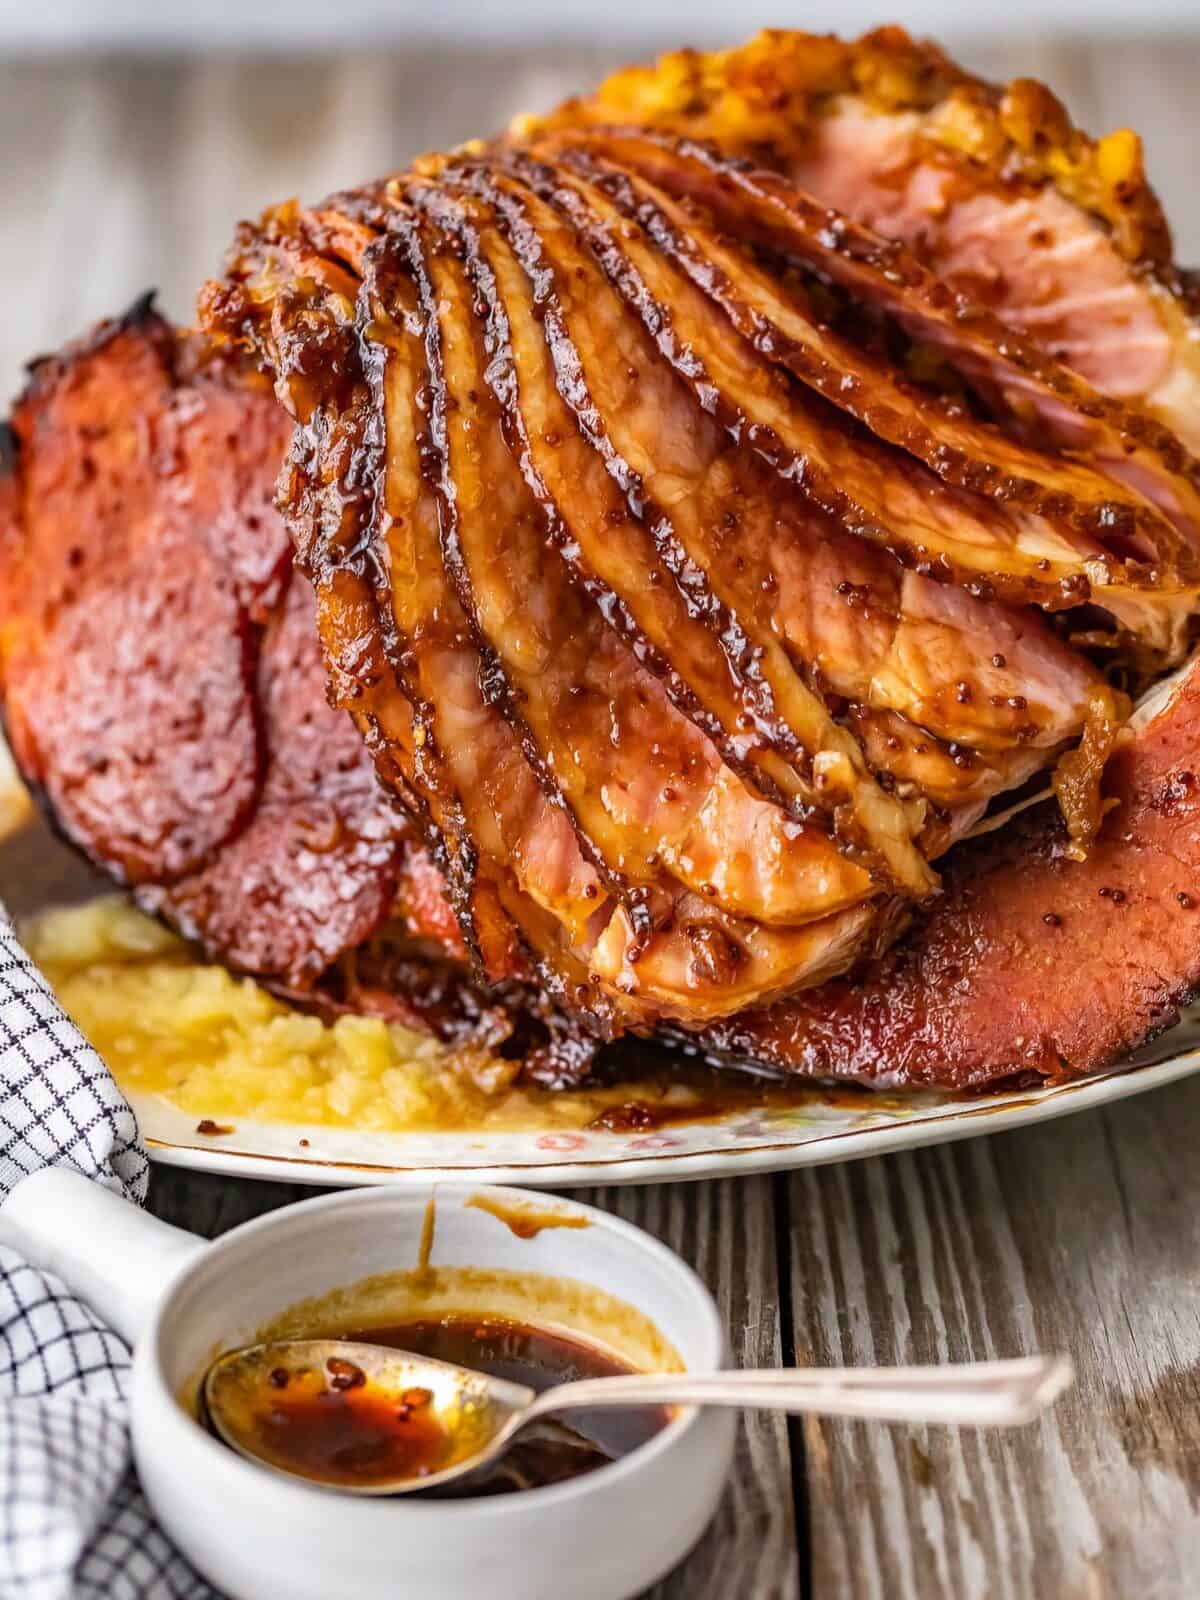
(983, 1394)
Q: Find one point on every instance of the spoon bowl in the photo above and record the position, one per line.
(296, 1405)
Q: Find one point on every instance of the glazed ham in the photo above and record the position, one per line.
(696, 619)
(699, 548)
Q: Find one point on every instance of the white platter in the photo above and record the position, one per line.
(744, 1142)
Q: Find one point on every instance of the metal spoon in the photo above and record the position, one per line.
(473, 1418)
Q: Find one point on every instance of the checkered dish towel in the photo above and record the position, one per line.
(73, 1522)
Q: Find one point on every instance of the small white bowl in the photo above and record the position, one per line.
(258, 1536)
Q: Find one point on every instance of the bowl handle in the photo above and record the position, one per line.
(114, 1256)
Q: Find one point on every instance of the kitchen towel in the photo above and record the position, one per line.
(73, 1523)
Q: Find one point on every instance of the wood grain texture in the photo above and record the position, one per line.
(1081, 1236)
(726, 1231)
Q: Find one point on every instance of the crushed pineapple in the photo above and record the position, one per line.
(223, 1047)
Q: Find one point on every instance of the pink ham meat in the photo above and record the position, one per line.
(1058, 234)
(1021, 249)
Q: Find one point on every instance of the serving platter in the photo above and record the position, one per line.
(816, 1127)
(739, 1143)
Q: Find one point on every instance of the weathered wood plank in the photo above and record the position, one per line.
(726, 1231)
(210, 1205)
(1083, 1236)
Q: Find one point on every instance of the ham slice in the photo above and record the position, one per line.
(163, 683)
(1032, 967)
(105, 575)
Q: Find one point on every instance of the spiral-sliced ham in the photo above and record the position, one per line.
(698, 665)
(163, 680)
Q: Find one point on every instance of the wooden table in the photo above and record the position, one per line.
(1083, 1235)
